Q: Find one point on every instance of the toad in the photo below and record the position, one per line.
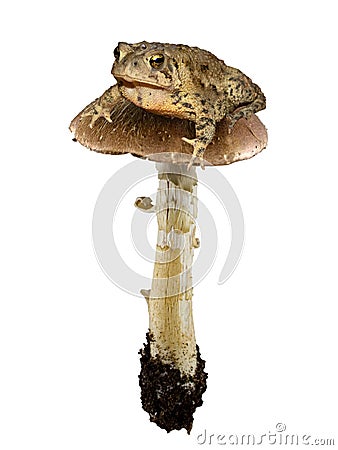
(184, 82)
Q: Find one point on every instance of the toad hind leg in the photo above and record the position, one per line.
(205, 131)
(245, 111)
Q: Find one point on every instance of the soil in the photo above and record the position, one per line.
(169, 397)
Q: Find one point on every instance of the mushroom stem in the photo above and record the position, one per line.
(170, 302)
(172, 379)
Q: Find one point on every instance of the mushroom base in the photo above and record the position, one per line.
(170, 397)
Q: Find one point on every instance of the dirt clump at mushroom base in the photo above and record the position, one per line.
(169, 397)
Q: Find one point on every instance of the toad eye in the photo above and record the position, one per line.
(156, 61)
(117, 54)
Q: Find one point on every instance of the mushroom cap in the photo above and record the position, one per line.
(136, 131)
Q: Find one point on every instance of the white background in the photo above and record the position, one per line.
(69, 337)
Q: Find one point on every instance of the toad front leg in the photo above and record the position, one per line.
(102, 107)
(205, 131)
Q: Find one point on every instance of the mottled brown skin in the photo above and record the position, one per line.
(185, 82)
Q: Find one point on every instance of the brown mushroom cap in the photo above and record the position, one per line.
(136, 131)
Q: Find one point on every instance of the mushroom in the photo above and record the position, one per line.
(131, 129)
(172, 377)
